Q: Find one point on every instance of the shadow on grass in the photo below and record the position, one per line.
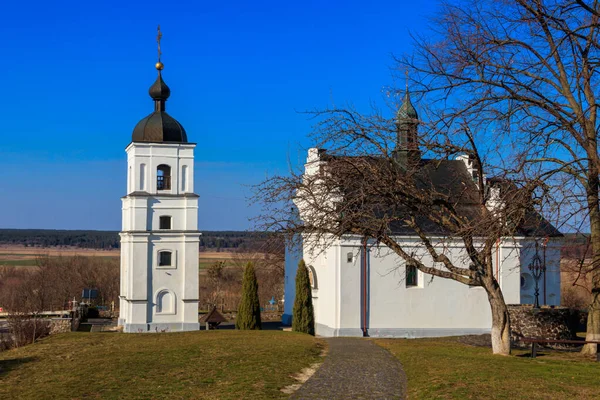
(10, 364)
(84, 327)
(266, 326)
(528, 355)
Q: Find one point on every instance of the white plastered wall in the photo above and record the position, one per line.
(435, 307)
(141, 276)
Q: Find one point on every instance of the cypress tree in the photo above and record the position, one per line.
(303, 316)
(248, 316)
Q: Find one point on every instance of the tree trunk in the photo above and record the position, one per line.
(593, 325)
(500, 321)
(34, 329)
(593, 321)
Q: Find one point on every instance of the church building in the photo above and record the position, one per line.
(159, 237)
(364, 289)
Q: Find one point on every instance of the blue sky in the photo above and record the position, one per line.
(76, 75)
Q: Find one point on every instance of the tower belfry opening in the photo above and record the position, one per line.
(159, 235)
(163, 177)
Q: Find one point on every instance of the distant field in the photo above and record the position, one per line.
(18, 263)
(20, 256)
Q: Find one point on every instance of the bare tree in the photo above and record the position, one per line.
(372, 182)
(53, 283)
(525, 74)
(24, 306)
(215, 273)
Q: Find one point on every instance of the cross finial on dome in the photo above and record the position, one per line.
(159, 126)
(159, 91)
(159, 64)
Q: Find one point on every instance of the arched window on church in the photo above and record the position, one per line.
(165, 258)
(163, 177)
(412, 275)
(312, 277)
(165, 302)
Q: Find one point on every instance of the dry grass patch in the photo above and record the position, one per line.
(445, 369)
(198, 365)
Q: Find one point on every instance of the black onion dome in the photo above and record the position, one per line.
(159, 126)
(159, 89)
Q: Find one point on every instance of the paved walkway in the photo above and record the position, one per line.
(355, 368)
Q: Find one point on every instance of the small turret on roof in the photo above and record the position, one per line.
(407, 151)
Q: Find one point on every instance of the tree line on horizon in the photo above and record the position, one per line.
(108, 240)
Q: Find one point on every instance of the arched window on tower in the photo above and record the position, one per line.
(142, 176)
(163, 177)
(165, 302)
(184, 178)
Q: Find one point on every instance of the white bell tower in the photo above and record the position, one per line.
(159, 237)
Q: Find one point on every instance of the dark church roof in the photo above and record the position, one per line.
(447, 179)
(159, 127)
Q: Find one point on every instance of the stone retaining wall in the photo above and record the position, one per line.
(545, 323)
(60, 325)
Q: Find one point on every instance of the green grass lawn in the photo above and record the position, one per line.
(191, 365)
(446, 369)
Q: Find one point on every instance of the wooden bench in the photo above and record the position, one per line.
(535, 341)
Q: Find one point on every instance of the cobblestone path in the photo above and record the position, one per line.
(355, 368)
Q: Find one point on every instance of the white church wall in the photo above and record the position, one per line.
(350, 291)
(435, 307)
(508, 253)
(326, 297)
